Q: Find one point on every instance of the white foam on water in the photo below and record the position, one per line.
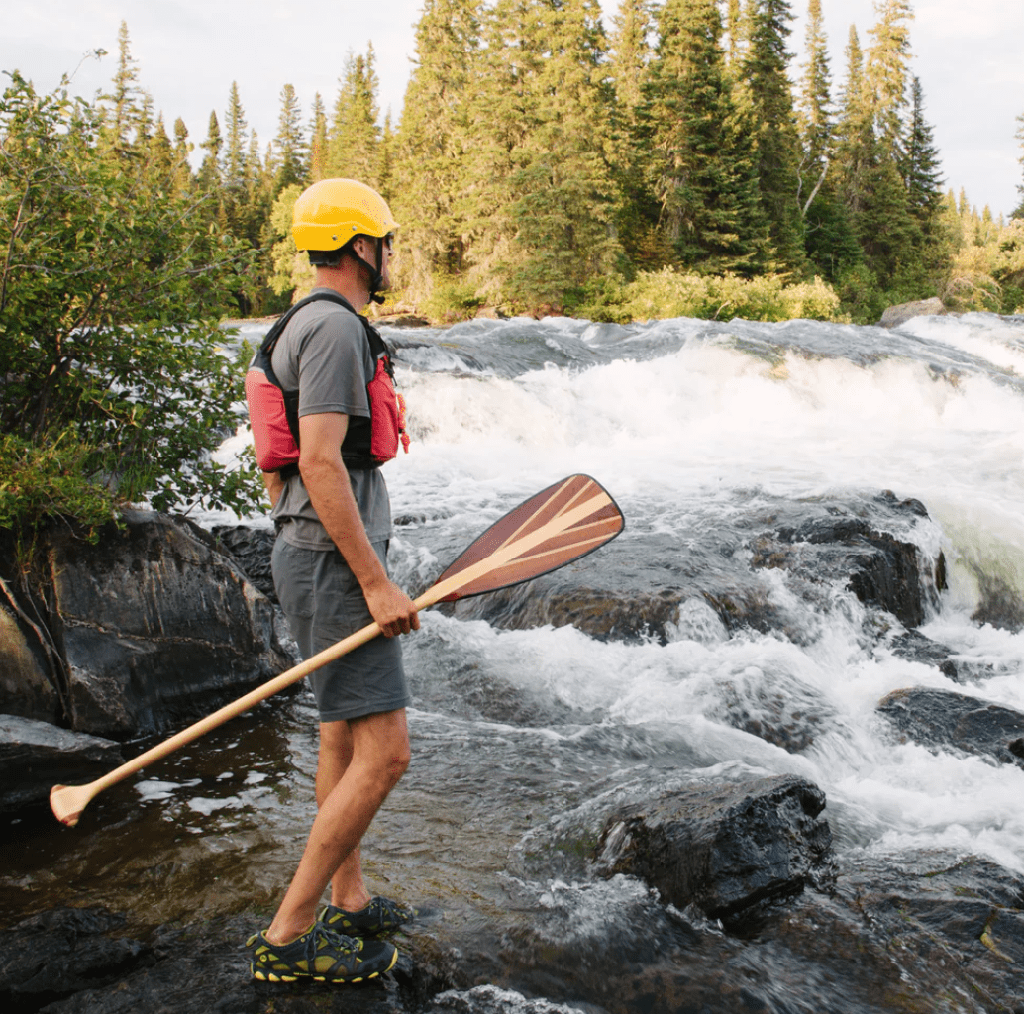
(687, 438)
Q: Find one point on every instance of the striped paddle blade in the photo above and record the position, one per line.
(560, 524)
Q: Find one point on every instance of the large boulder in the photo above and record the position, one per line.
(894, 316)
(948, 720)
(726, 848)
(34, 756)
(150, 626)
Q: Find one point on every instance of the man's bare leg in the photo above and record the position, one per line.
(380, 755)
(348, 889)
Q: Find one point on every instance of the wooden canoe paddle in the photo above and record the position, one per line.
(560, 524)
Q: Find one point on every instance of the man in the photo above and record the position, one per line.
(334, 522)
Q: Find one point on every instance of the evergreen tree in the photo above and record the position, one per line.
(290, 142)
(540, 205)
(920, 164)
(208, 177)
(161, 153)
(430, 171)
(828, 236)
(122, 109)
(777, 159)
(354, 141)
(814, 116)
(738, 30)
(631, 55)
(854, 138)
(564, 199)
(701, 168)
(318, 140)
(885, 77)
(233, 167)
(630, 69)
(183, 181)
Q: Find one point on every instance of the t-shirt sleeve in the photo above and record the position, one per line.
(331, 367)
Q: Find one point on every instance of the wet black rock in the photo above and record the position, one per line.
(652, 585)
(921, 932)
(156, 626)
(204, 969)
(251, 549)
(151, 626)
(947, 720)
(999, 603)
(34, 756)
(882, 570)
(939, 932)
(729, 849)
(62, 952)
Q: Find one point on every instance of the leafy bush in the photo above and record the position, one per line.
(667, 293)
(450, 300)
(114, 381)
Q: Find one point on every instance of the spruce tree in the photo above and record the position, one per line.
(564, 200)
(353, 149)
(701, 171)
(318, 140)
(161, 153)
(777, 160)
(920, 163)
(814, 111)
(183, 179)
(432, 140)
(290, 142)
(233, 167)
(631, 55)
(854, 137)
(122, 102)
(828, 236)
(886, 73)
(208, 177)
(630, 68)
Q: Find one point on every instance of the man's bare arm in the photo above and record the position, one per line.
(274, 486)
(330, 491)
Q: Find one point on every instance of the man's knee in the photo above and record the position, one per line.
(382, 744)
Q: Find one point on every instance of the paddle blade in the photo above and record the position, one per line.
(562, 523)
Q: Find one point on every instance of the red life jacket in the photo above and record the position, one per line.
(274, 412)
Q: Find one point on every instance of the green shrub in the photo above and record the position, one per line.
(450, 301)
(668, 293)
(115, 384)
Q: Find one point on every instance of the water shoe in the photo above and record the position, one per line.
(379, 915)
(322, 954)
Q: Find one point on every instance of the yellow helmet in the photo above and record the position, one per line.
(330, 213)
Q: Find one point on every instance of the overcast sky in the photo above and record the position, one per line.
(969, 55)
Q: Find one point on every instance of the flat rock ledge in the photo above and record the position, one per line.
(728, 849)
(36, 755)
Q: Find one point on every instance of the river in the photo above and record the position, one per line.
(701, 431)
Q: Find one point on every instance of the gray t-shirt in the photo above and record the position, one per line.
(324, 353)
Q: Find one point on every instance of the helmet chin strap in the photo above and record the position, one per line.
(376, 277)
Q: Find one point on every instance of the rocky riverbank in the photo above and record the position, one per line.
(612, 878)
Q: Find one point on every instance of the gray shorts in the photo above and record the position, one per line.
(323, 603)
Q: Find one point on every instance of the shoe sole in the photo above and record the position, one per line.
(258, 973)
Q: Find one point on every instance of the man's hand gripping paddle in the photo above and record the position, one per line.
(560, 524)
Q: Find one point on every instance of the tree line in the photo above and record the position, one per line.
(542, 162)
(665, 168)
